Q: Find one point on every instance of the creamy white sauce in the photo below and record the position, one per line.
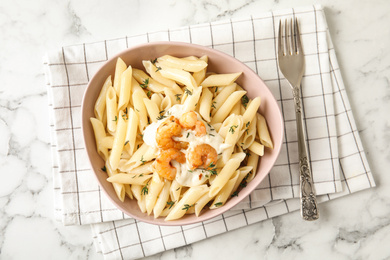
(184, 175)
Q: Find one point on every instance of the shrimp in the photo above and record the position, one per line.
(202, 155)
(168, 129)
(190, 120)
(163, 164)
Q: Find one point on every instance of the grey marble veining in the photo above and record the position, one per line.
(354, 227)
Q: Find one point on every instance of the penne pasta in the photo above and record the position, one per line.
(192, 101)
(154, 189)
(187, 201)
(125, 88)
(100, 134)
(225, 174)
(111, 109)
(118, 187)
(100, 104)
(119, 141)
(262, 130)
(182, 64)
(220, 79)
(257, 148)
(250, 130)
(140, 109)
(205, 104)
(180, 76)
(155, 73)
(152, 109)
(199, 76)
(119, 69)
(129, 178)
(146, 82)
(222, 97)
(129, 111)
(225, 192)
(226, 107)
(162, 200)
(131, 131)
(251, 110)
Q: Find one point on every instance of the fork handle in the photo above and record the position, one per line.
(309, 208)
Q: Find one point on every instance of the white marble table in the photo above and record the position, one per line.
(353, 227)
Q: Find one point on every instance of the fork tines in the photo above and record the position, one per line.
(291, 39)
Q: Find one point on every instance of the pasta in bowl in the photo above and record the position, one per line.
(178, 133)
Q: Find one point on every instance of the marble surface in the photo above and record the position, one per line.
(354, 227)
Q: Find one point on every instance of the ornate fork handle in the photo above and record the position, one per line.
(309, 209)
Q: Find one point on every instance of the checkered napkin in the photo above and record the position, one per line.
(336, 154)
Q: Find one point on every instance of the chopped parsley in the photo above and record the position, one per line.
(187, 206)
(213, 105)
(234, 194)
(177, 97)
(188, 134)
(104, 168)
(145, 189)
(161, 115)
(187, 91)
(142, 160)
(170, 203)
(244, 100)
(146, 83)
(212, 169)
(158, 68)
(116, 119)
(126, 142)
(153, 61)
(149, 94)
(232, 128)
(218, 204)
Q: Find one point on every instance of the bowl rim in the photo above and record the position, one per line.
(243, 193)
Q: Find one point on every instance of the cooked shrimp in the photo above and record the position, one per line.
(190, 120)
(203, 155)
(163, 164)
(200, 128)
(168, 129)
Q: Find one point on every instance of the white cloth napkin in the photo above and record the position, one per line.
(337, 157)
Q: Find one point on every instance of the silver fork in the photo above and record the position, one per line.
(291, 63)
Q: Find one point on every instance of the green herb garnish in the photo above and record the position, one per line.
(187, 91)
(177, 97)
(244, 100)
(218, 204)
(104, 168)
(158, 68)
(232, 128)
(146, 83)
(187, 207)
(161, 115)
(145, 189)
(170, 203)
(142, 160)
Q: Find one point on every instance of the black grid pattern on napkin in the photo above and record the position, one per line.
(82, 199)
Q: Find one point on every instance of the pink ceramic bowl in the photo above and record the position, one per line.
(218, 62)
